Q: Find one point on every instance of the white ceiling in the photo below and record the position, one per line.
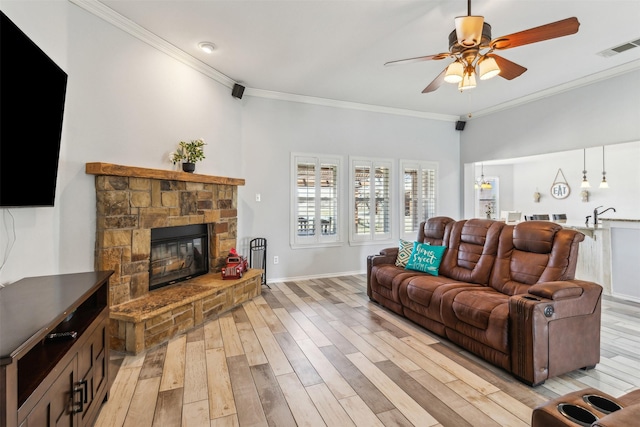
(335, 49)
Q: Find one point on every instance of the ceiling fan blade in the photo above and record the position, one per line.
(435, 84)
(419, 59)
(508, 70)
(553, 30)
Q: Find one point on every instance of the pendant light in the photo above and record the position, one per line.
(585, 183)
(483, 184)
(604, 183)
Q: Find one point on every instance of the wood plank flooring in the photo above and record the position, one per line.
(319, 353)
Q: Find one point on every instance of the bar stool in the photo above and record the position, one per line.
(559, 217)
(541, 217)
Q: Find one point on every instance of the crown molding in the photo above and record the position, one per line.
(100, 10)
(348, 105)
(585, 81)
(109, 15)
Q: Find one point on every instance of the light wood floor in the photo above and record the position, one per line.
(318, 352)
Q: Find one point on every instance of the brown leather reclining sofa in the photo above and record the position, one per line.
(506, 293)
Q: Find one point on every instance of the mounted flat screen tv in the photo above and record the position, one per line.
(32, 95)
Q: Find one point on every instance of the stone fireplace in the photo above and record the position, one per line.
(130, 203)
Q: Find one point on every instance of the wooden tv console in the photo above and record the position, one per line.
(47, 382)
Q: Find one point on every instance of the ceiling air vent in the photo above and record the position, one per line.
(620, 48)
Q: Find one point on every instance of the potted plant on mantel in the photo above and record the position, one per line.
(188, 153)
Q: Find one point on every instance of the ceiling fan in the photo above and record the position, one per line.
(471, 47)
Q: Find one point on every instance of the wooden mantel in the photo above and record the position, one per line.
(98, 168)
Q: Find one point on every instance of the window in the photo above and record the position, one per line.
(315, 200)
(370, 200)
(418, 189)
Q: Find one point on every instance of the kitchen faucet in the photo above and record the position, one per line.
(596, 213)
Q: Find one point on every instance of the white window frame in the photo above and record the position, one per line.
(318, 239)
(372, 236)
(422, 167)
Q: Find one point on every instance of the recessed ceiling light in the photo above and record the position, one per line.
(206, 47)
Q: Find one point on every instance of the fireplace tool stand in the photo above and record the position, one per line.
(258, 257)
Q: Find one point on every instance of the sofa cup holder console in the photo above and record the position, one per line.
(602, 404)
(576, 413)
(588, 407)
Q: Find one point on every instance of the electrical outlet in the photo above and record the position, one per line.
(258, 198)
(276, 259)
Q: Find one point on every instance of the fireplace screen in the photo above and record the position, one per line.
(177, 254)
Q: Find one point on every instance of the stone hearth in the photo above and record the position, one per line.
(130, 201)
(144, 322)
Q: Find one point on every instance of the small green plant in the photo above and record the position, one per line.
(188, 152)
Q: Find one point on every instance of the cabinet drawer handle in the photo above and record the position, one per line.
(81, 387)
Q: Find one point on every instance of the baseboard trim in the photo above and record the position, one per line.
(315, 276)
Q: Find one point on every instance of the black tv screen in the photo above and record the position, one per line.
(32, 95)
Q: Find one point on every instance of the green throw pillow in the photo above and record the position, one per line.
(404, 252)
(425, 258)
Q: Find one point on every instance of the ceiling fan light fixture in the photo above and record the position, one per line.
(469, 30)
(455, 72)
(467, 82)
(488, 68)
(471, 46)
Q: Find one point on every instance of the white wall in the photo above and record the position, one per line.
(128, 103)
(603, 113)
(273, 129)
(537, 173)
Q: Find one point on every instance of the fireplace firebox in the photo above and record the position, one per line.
(177, 254)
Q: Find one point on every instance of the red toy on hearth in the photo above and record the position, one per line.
(236, 265)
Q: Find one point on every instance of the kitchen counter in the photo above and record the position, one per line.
(610, 255)
(587, 230)
(622, 238)
(603, 223)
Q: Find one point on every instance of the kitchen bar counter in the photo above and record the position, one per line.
(610, 256)
(622, 237)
